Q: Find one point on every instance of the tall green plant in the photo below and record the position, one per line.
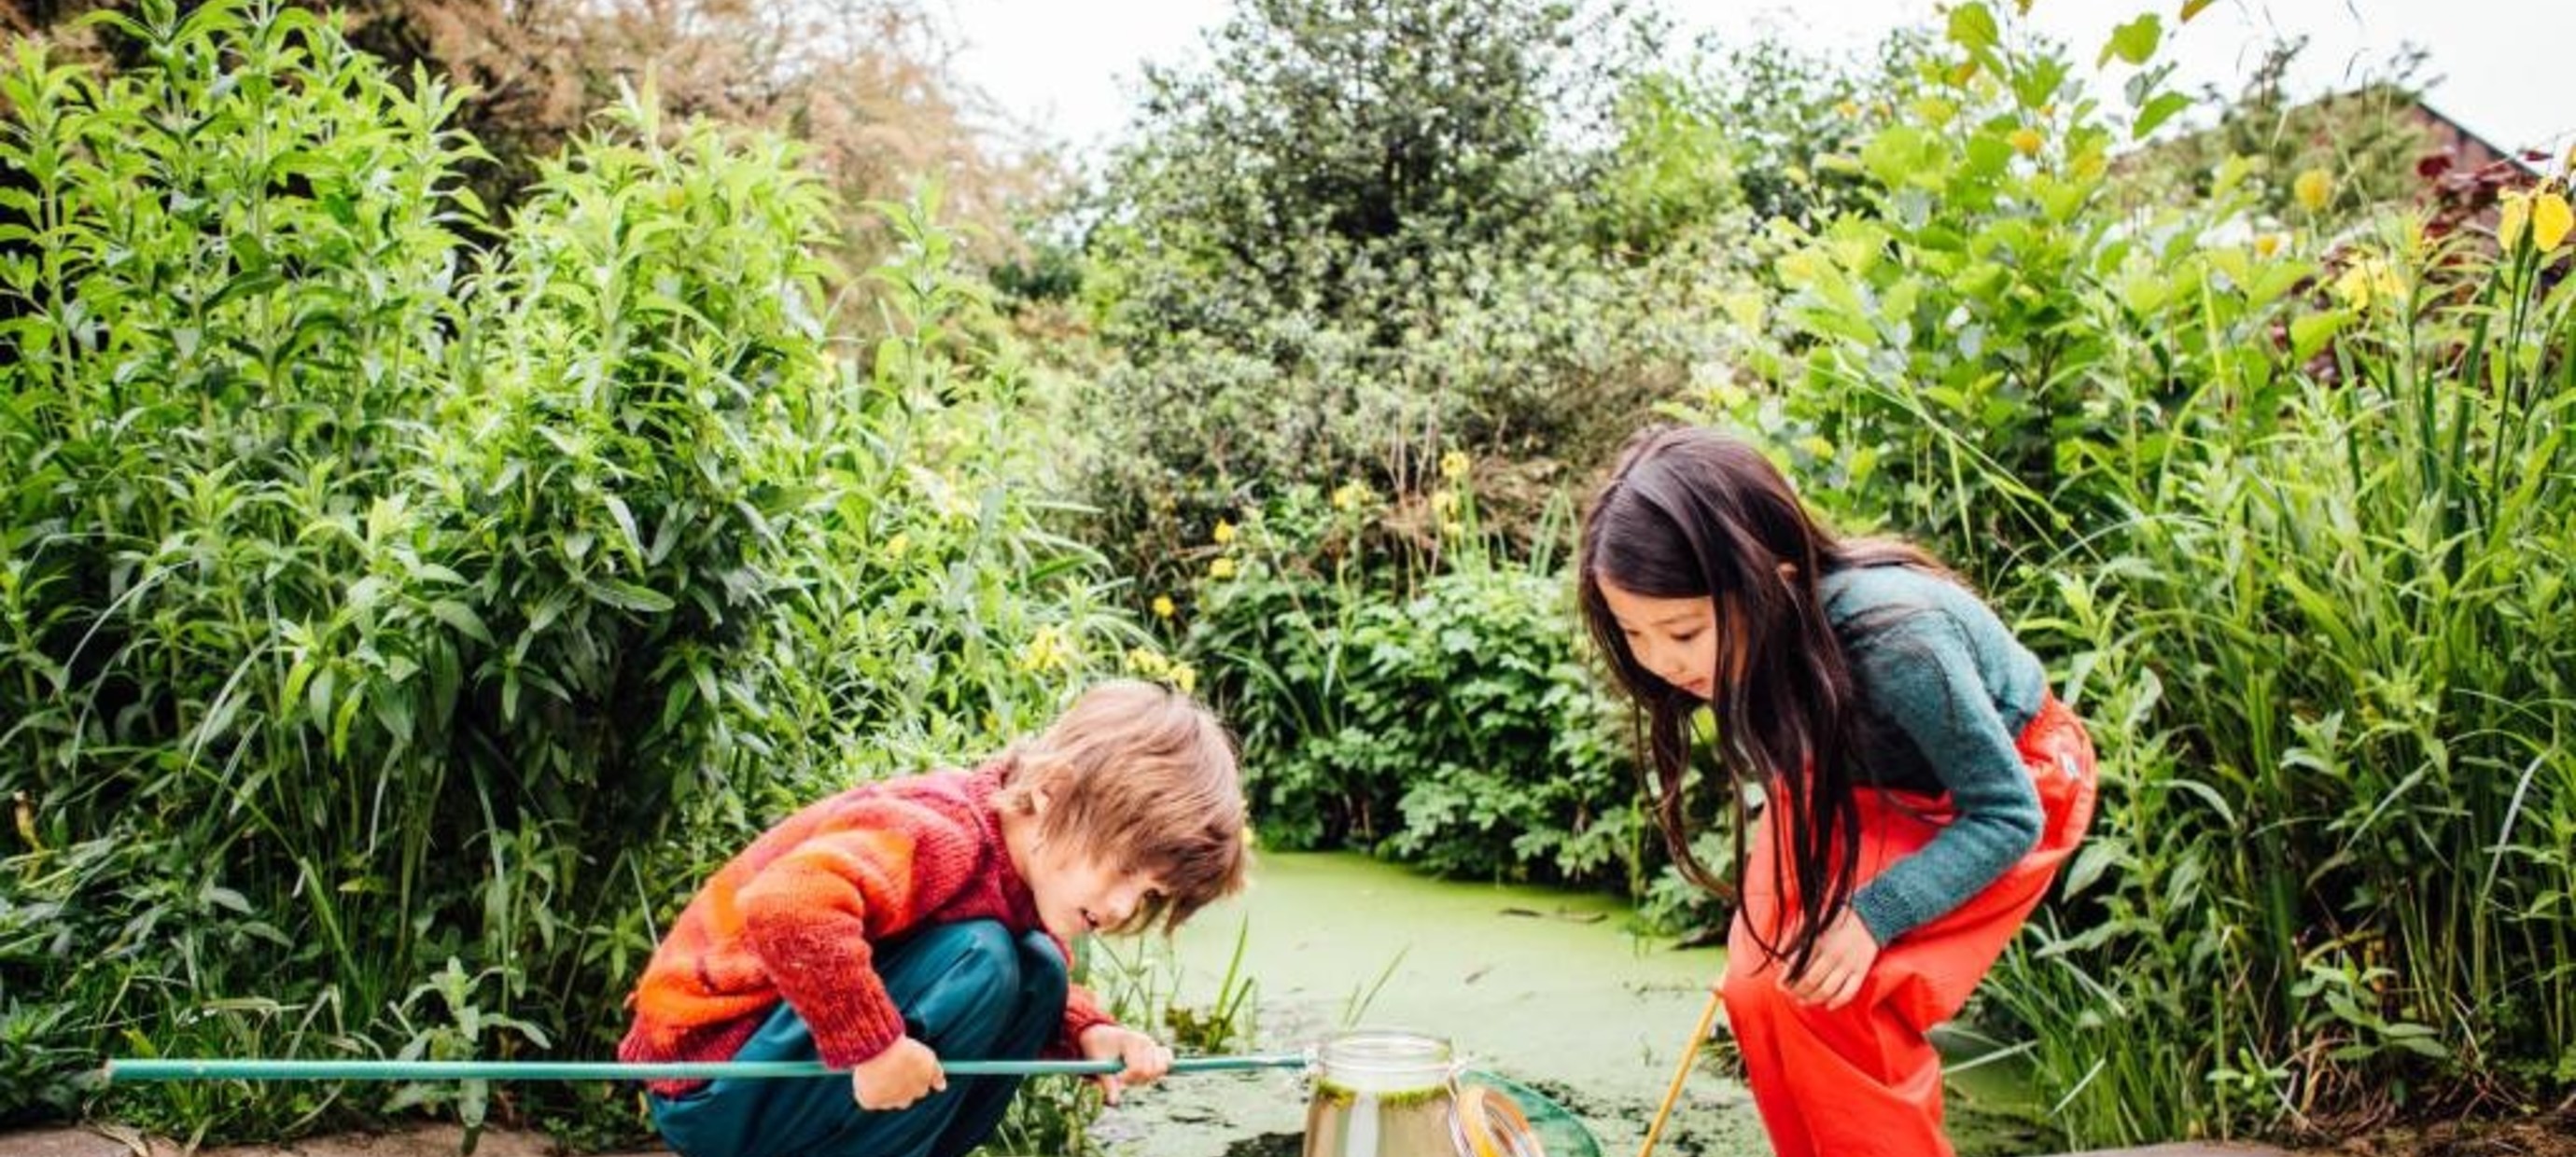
(2354, 808)
(229, 277)
(1939, 371)
(2283, 513)
(394, 627)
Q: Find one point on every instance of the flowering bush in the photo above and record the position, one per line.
(2281, 506)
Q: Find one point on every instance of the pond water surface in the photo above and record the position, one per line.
(1547, 988)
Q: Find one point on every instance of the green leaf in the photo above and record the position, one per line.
(626, 525)
(2310, 333)
(317, 696)
(1903, 154)
(2134, 42)
(627, 595)
(341, 719)
(1972, 27)
(2144, 292)
(463, 619)
(2231, 174)
(2035, 82)
(393, 713)
(2278, 277)
(2159, 110)
(257, 281)
(675, 702)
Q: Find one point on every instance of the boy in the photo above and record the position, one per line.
(897, 922)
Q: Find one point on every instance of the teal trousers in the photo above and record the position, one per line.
(970, 991)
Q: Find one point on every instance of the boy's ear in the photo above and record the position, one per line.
(1038, 801)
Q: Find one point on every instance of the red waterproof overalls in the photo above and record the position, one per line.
(1863, 1080)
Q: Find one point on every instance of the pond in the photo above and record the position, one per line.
(1548, 988)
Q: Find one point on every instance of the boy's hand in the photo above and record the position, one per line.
(1146, 1059)
(905, 1072)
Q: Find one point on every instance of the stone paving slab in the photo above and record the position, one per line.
(426, 1141)
(2188, 1149)
(436, 1141)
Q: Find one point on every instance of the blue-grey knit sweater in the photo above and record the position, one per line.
(1945, 691)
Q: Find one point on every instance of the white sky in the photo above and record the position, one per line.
(1071, 68)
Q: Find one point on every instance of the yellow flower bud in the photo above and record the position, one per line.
(2370, 278)
(1163, 608)
(2027, 141)
(2550, 219)
(2313, 189)
(1224, 532)
(1046, 651)
(2513, 213)
(1454, 465)
(1222, 568)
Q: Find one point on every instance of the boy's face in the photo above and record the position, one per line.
(1080, 891)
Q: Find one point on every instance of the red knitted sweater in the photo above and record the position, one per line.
(795, 916)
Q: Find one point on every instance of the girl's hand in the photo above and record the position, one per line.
(905, 1072)
(1146, 1059)
(1844, 952)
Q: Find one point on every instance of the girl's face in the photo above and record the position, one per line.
(1675, 640)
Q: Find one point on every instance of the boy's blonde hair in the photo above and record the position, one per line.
(1140, 773)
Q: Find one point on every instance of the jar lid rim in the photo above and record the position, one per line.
(1385, 1050)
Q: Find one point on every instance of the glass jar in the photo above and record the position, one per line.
(1383, 1093)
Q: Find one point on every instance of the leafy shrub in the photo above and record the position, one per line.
(398, 629)
(1371, 234)
(1455, 726)
(864, 86)
(231, 289)
(2258, 491)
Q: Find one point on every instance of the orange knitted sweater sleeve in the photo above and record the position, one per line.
(1082, 1013)
(812, 916)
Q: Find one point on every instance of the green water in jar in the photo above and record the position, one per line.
(1344, 1122)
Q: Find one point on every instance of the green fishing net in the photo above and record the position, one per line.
(1556, 1130)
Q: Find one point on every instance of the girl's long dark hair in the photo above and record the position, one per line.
(1691, 513)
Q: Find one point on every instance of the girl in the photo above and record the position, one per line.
(1920, 783)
